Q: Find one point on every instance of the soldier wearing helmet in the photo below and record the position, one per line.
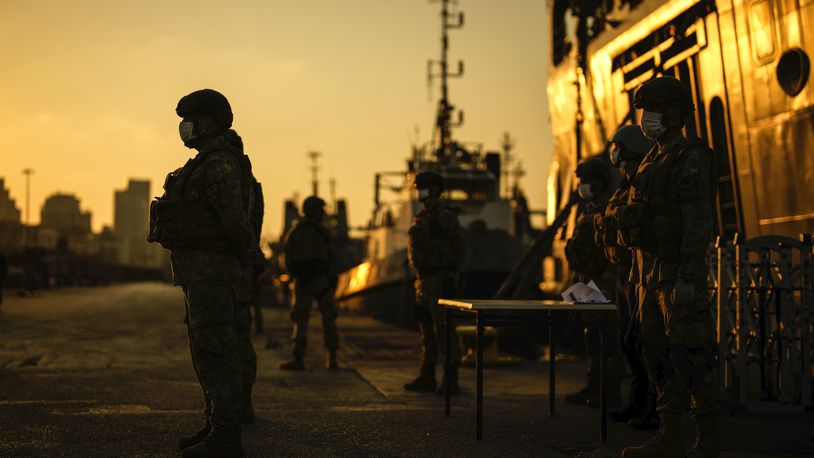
(309, 257)
(628, 148)
(667, 223)
(435, 250)
(587, 263)
(209, 217)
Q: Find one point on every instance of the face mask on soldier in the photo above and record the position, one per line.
(585, 192)
(186, 131)
(423, 194)
(651, 125)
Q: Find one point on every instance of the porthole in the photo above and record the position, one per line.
(792, 71)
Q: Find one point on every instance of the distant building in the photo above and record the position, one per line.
(61, 213)
(127, 244)
(130, 211)
(8, 207)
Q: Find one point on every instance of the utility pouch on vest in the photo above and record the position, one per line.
(666, 230)
(165, 223)
(632, 225)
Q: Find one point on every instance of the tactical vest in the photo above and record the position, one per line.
(179, 222)
(430, 249)
(584, 255)
(652, 220)
(607, 227)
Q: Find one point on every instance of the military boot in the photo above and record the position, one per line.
(587, 392)
(454, 387)
(666, 444)
(247, 414)
(216, 445)
(647, 422)
(614, 396)
(591, 389)
(331, 363)
(706, 443)
(425, 382)
(636, 408)
(196, 438)
(294, 364)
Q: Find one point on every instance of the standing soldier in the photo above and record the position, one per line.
(436, 249)
(309, 257)
(248, 358)
(203, 217)
(628, 147)
(587, 262)
(668, 224)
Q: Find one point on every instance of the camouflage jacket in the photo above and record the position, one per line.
(607, 228)
(436, 241)
(671, 222)
(585, 258)
(213, 196)
(309, 251)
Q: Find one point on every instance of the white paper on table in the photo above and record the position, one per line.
(584, 294)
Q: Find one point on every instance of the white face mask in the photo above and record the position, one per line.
(651, 125)
(584, 191)
(423, 194)
(185, 130)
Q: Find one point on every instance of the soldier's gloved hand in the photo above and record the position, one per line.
(258, 260)
(683, 292)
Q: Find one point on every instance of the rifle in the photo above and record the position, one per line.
(534, 254)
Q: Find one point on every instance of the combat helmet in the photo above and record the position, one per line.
(312, 204)
(594, 167)
(427, 179)
(207, 101)
(664, 90)
(629, 143)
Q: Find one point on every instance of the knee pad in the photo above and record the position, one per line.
(693, 366)
(657, 361)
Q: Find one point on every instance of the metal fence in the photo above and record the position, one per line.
(763, 292)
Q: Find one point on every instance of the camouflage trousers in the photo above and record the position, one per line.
(213, 342)
(248, 358)
(430, 315)
(322, 291)
(678, 343)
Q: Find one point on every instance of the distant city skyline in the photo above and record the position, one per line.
(93, 86)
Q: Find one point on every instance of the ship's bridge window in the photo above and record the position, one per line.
(761, 29)
(462, 194)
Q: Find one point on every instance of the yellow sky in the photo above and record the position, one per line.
(88, 90)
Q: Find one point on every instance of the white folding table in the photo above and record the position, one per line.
(488, 312)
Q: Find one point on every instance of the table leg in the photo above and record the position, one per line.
(603, 384)
(479, 377)
(552, 361)
(447, 331)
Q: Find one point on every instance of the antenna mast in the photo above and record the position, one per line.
(314, 155)
(443, 121)
(508, 145)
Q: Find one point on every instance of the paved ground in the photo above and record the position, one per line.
(106, 372)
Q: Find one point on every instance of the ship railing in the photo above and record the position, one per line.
(762, 293)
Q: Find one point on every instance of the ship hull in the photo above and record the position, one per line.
(385, 288)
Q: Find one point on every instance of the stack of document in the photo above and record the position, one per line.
(580, 293)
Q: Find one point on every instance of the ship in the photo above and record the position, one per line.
(747, 65)
(494, 215)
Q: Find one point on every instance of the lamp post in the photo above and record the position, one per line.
(27, 172)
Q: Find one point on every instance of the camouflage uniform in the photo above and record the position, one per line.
(203, 220)
(668, 223)
(587, 261)
(436, 248)
(309, 254)
(607, 226)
